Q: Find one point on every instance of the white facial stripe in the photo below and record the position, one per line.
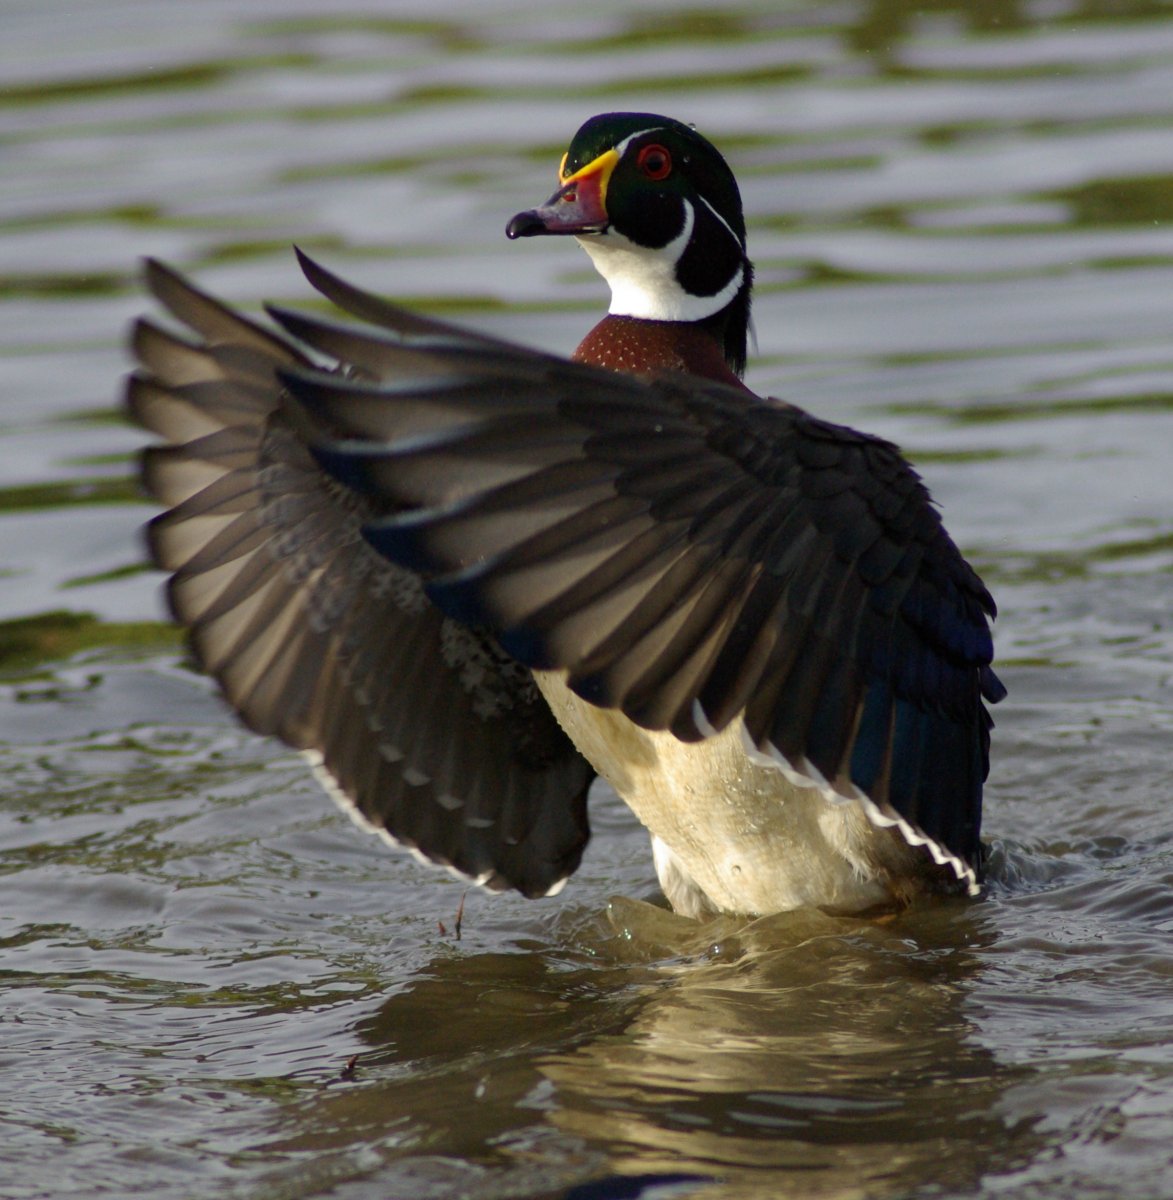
(621, 148)
(721, 219)
(643, 282)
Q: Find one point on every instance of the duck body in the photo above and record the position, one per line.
(465, 577)
(730, 832)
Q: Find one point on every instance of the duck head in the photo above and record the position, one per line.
(658, 210)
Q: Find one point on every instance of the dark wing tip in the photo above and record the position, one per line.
(317, 275)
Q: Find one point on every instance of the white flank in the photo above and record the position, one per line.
(806, 775)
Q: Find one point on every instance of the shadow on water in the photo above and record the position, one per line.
(834, 1053)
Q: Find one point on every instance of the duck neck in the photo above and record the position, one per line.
(646, 347)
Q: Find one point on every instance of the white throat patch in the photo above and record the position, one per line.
(643, 282)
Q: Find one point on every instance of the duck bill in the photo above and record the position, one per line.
(579, 206)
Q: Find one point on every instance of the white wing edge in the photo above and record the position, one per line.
(338, 794)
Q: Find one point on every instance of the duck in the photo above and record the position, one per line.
(466, 578)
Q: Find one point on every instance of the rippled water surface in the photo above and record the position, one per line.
(962, 218)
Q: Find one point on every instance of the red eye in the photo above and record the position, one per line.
(655, 162)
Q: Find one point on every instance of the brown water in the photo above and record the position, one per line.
(962, 216)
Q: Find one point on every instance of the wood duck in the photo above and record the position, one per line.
(465, 577)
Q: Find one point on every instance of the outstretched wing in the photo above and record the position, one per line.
(685, 552)
(420, 724)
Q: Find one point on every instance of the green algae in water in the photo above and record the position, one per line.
(29, 642)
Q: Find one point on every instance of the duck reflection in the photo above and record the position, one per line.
(802, 1054)
(836, 1054)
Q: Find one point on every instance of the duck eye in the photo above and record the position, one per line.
(655, 162)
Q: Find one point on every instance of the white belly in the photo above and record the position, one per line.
(732, 834)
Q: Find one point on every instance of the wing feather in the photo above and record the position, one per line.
(427, 730)
(683, 551)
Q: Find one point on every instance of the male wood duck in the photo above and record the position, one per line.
(466, 577)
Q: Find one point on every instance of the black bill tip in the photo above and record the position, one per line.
(525, 224)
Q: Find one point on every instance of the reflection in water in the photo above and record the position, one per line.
(838, 1051)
